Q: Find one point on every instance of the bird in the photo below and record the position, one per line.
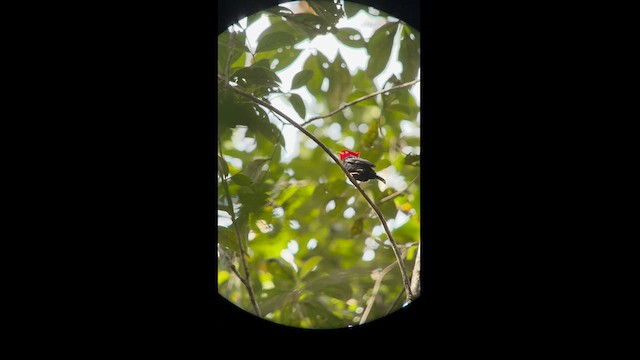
(359, 168)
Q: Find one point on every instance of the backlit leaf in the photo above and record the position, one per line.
(227, 238)
(275, 40)
(241, 179)
(379, 48)
(301, 78)
(298, 105)
(409, 54)
(309, 265)
(351, 37)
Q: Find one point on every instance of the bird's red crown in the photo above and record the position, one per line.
(345, 153)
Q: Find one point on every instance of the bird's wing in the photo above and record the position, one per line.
(358, 161)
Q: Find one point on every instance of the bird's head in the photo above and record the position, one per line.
(346, 153)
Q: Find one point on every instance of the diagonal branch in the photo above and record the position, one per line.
(247, 279)
(363, 98)
(374, 292)
(394, 245)
(398, 193)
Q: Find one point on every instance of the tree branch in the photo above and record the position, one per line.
(416, 283)
(394, 245)
(247, 280)
(363, 98)
(235, 270)
(374, 292)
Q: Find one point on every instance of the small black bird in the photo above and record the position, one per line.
(360, 169)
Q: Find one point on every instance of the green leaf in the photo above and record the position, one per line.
(409, 54)
(227, 238)
(231, 113)
(254, 169)
(275, 299)
(223, 276)
(357, 227)
(286, 194)
(327, 10)
(278, 60)
(310, 24)
(380, 47)
(271, 132)
(309, 265)
(395, 113)
(278, 25)
(239, 63)
(256, 76)
(400, 108)
(252, 201)
(298, 105)
(241, 179)
(222, 166)
(364, 83)
(230, 42)
(254, 17)
(351, 37)
(342, 291)
(302, 197)
(283, 274)
(263, 63)
(276, 40)
(301, 79)
(413, 160)
(389, 211)
(352, 8)
(315, 65)
(340, 83)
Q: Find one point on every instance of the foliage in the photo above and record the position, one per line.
(312, 244)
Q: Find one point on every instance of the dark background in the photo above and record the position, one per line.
(124, 174)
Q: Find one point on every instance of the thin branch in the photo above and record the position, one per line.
(374, 292)
(363, 98)
(247, 280)
(235, 270)
(398, 193)
(394, 245)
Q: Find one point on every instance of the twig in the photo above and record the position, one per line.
(374, 292)
(398, 193)
(247, 280)
(394, 245)
(235, 270)
(363, 98)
